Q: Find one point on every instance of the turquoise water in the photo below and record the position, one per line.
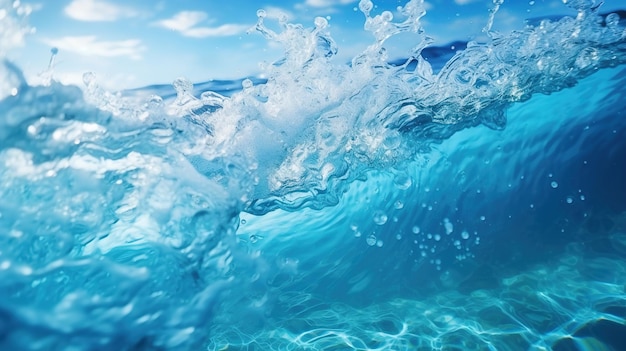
(469, 203)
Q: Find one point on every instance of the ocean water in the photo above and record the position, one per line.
(468, 199)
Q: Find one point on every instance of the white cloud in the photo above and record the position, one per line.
(89, 46)
(220, 31)
(327, 3)
(322, 7)
(185, 22)
(464, 2)
(97, 11)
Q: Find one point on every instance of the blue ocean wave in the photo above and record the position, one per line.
(466, 198)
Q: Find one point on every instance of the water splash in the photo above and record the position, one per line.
(119, 219)
(47, 75)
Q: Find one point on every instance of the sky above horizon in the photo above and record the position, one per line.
(137, 43)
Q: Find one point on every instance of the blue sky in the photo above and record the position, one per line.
(136, 43)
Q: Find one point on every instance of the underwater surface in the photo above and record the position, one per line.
(466, 199)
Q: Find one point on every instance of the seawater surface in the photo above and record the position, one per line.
(452, 201)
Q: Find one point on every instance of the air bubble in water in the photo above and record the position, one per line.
(392, 140)
(569, 199)
(465, 235)
(612, 20)
(402, 181)
(448, 225)
(554, 185)
(380, 217)
(415, 230)
(371, 240)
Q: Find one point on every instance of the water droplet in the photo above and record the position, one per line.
(246, 84)
(320, 22)
(366, 6)
(261, 13)
(386, 16)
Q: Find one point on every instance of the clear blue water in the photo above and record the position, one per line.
(461, 202)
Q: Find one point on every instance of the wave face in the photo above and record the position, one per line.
(466, 203)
